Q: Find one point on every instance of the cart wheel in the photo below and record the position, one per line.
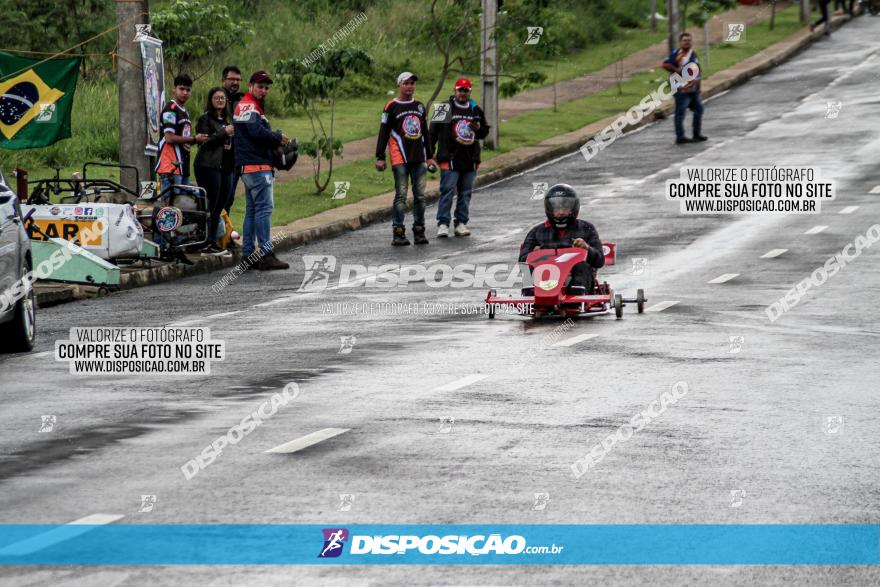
(640, 300)
(618, 306)
(492, 294)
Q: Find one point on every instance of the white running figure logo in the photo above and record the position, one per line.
(334, 544)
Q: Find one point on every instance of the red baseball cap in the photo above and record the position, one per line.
(260, 77)
(462, 82)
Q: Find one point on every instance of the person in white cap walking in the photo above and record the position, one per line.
(404, 131)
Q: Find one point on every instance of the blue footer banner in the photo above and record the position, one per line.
(249, 544)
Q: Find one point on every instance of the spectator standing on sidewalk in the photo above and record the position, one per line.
(687, 95)
(404, 131)
(215, 160)
(231, 82)
(825, 18)
(456, 131)
(255, 142)
(177, 137)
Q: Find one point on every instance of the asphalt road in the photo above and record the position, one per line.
(459, 419)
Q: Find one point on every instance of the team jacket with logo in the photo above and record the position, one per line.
(255, 140)
(456, 144)
(404, 132)
(174, 159)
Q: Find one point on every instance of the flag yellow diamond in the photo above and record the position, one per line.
(45, 97)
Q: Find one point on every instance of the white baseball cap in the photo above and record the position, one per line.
(406, 75)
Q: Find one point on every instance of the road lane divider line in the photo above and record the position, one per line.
(59, 534)
(849, 210)
(773, 253)
(463, 382)
(574, 340)
(659, 307)
(273, 302)
(222, 314)
(875, 190)
(723, 278)
(307, 441)
(817, 229)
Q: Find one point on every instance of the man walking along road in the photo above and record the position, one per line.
(687, 95)
(255, 142)
(404, 131)
(456, 131)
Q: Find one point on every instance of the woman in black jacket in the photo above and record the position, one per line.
(215, 162)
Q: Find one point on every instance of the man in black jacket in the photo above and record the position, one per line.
(457, 127)
(563, 229)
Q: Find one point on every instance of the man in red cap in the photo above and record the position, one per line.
(457, 127)
(254, 145)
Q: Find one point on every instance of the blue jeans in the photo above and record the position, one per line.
(417, 172)
(259, 202)
(683, 101)
(450, 181)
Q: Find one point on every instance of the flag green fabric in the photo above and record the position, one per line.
(35, 100)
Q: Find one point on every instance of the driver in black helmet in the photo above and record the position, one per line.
(563, 229)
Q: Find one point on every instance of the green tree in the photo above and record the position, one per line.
(314, 84)
(194, 32)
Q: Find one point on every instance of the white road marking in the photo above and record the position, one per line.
(662, 306)
(875, 190)
(43, 354)
(463, 382)
(817, 229)
(220, 315)
(773, 253)
(273, 302)
(59, 534)
(723, 278)
(849, 210)
(574, 340)
(717, 95)
(307, 440)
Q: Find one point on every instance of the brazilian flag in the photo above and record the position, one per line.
(35, 100)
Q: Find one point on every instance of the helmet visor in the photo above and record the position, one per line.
(561, 206)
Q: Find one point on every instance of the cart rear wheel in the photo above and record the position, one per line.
(618, 306)
(640, 300)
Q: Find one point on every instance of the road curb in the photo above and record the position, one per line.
(344, 219)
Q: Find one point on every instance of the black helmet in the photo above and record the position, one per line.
(561, 204)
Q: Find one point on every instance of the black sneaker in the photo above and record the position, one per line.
(400, 239)
(682, 140)
(215, 251)
(419, 234)
(700, 138)
(270, 262)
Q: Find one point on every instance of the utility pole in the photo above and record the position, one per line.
(130, 82)
(805, 11)
(489, 70)
(672, 19)
(653, 15)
